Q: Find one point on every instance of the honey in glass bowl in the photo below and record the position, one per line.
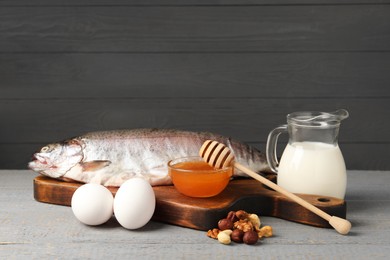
(193, 177)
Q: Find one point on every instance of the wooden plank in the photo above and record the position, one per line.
(249, 120)
(16, 156)
(364, 186)
(184, 2)
(140, 75)
(366, 155)
(269, 28)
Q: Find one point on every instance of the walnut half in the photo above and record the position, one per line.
(265, 231)
(213, 233)
(244, 225)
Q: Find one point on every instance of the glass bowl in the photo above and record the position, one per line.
(193, 177)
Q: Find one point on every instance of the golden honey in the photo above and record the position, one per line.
(195, 178)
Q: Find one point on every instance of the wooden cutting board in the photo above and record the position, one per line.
(204, 213)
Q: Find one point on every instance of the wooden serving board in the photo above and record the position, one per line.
(204, 213)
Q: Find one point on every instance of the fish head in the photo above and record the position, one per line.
(55, 159)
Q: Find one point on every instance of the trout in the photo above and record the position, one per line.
(112, 157)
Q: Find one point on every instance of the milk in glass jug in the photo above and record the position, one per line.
(312, 162)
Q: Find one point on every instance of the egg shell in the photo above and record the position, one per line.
(134, 203)
(92, 204)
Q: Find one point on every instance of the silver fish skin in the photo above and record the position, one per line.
(112, 157)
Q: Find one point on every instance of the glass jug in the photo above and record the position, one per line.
(312, 162)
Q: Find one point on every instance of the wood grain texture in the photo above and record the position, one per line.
(59, 119)
(92, 3)
(195, 28)
(173, 76)
(68, 67)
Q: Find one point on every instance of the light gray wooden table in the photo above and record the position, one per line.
(34, 230)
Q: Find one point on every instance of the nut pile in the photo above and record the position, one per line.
(240, 226)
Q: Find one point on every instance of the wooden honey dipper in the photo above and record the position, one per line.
(219, 156)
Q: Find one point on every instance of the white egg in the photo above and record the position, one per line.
(134, 203)
(92, 204)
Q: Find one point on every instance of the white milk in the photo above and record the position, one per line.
(313, 168)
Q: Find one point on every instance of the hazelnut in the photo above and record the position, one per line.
(225, 223)
(241, 214)
(250, 237)
(232, 216)
(237, 235)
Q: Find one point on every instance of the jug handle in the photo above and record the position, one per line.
(272, 141)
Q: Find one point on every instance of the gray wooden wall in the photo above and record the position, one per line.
(227, 66)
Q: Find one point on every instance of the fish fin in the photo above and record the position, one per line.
(62, 178)
(94, 165)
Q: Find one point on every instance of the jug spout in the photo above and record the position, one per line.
(340, 114)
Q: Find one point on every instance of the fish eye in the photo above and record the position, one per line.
(45, 149)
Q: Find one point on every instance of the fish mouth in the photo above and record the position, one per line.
(38, 163)
(38, 159)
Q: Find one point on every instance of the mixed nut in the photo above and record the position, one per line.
(240, 227)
